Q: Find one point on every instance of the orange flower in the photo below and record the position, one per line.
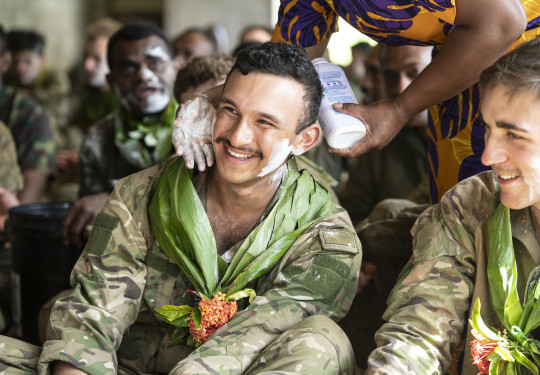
(480, 349)
(215, 313)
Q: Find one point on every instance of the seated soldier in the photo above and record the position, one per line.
(92, 100)
(30, 128)
(252, 200)
(398, 168)
(138, 134)
(32, 76)
(482, 234)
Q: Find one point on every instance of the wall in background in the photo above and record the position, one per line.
(61, 21)
(234, 15)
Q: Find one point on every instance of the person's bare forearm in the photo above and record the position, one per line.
(475, 44)
(34, 185)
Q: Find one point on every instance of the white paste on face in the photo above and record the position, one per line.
(158, 52)
(280, 152)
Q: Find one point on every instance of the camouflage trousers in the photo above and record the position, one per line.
(316, 345)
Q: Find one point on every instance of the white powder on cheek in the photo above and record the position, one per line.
(158, 52)
(280, 152)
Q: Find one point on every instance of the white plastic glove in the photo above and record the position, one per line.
(193, 129)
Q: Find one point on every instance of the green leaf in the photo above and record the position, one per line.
(478, 324)
(197, 317)
(242, 294)
(192, 343)
(502, 270)
(504, 353)
(187, 212)
(179, 335)
(175, 315)
(524, 361)
(532, 306)
(494, 365)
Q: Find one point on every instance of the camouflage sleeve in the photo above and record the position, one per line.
(317, 276)
(33, 136)
(10, 174)
(86, 327)
(427, 309)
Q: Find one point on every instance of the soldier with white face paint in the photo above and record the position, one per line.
(137, 135)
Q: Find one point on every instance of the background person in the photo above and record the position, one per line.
(138, 134)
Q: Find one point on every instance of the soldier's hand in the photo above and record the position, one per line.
(78, 221)
(192, 134)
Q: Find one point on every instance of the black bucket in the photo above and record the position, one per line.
(41, 262)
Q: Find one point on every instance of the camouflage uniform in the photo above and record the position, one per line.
(392, 172)
(51, 90)
(10, 174)
(30, 129)
(428, 310)
(109, 322)
(101, 161)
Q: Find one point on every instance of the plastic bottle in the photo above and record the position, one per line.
(340, 130)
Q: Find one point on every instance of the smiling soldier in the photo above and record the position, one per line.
(268, 229)
(478, 244)
(135, 136)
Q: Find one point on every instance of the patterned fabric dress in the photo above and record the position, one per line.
(456, 140)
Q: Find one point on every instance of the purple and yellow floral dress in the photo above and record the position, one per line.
(455, 141)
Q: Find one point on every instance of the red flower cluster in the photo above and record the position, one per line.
(215, 313)
(480, 349)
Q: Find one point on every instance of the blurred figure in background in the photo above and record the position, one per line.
(191, 43)
(372, 85)
(92, 101)
(32, 76)
(256, 33)
(200, 74)
(396, 171)
(29, 126)
(356, 70)
(135, 136)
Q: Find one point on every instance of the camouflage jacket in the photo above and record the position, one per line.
(30, 128)
(122, 276)
(10, 174)
(427, 316)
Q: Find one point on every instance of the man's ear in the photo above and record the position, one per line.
(5, 62)
(306, 139)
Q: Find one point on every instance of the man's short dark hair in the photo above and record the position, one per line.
(201, 70)
(136, 31)
(24, 40)
(288, 61)
(518, 70)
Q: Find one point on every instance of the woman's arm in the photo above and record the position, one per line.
(484, 31)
